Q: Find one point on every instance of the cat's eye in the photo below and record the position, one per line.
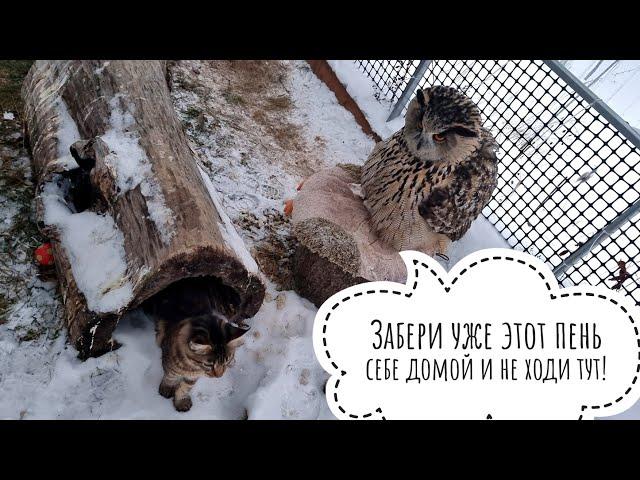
(438, 137)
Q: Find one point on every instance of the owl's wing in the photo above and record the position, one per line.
(377, 147)
(450, 209)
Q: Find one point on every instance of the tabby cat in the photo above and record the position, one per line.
(196, 331)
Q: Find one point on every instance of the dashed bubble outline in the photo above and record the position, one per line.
(447, 289)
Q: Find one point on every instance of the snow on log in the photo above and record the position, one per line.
(121, 196)
(337, 245)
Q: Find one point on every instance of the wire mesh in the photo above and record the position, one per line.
(565, 172)
(390, 77)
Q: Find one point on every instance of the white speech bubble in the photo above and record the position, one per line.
(370, 336)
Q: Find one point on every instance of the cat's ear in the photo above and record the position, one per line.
(199, 348)
(234, 331)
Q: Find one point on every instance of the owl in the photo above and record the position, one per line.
(425, 185)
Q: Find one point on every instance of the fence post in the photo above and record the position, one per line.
(409, 89)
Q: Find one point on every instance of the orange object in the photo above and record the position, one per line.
(288, 207)
(44, 255)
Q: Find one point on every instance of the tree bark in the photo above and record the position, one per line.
(189, 236)
(337, 245)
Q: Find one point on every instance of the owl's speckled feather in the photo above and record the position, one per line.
(423, 191)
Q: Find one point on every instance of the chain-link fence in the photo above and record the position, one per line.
(569, 184)
(391, 77)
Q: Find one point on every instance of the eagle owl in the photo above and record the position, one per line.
(425, 185)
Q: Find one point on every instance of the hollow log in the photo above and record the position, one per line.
(337, 245)
(121, 196)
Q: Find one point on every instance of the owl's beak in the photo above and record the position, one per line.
(425, 142)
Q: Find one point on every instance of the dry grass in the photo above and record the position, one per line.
(252, 98)
(18, 190)
(248, 103)
(279, 103)
(12, 72)
(257, 86)
(262, 87)
(251, 76)
(275, 259)
(233, 98)
(22, 236)
(274, 253)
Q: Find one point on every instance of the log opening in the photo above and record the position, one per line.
(194, 296)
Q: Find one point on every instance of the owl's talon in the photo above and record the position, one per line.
(436, 246)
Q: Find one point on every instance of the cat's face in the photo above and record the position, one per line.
(211, 342)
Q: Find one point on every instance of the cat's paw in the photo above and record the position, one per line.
(166, 391)
(182, 405)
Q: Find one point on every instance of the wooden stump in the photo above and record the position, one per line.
(337, 245)
(116, 174)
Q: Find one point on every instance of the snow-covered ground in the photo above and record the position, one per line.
(258, 131)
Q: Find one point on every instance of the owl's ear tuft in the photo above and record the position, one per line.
(420, 96)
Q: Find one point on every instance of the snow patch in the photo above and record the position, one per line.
(228, 231)
(274, 376)
(325, 118)
(94, 244)
(362, 91)
(482, 234)
(67, 130)
(95, 248)
(67, 135)
(132, 168)
(100, 69)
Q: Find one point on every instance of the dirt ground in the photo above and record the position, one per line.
(247, 120)
(21, 283)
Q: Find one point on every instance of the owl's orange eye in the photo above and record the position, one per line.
(438, 138)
